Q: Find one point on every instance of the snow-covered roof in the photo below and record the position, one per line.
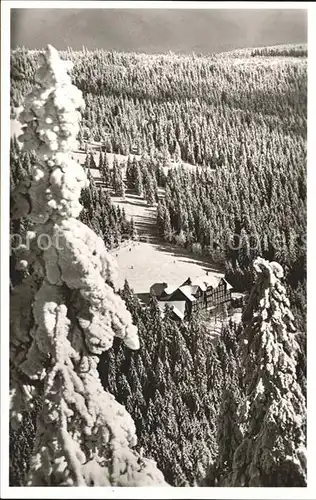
(202, 285)
(177, 306)
(187, 290)
(170, 289)
(229, 286)
(177, 312)
(207, 280)
(237, 295)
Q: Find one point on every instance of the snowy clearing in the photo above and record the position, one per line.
(151, 259)
(144, 264)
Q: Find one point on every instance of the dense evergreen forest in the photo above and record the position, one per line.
(206, 106)
(239, 118)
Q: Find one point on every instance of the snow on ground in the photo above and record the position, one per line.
(81, 156)
(150, 260)
(144, 216)
(144, 264)
(236, 316)
(15, 127)
(216, 320)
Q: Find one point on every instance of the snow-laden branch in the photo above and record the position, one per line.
(65, 313)
(273, 450)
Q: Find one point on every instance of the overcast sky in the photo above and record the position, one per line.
(157, 30)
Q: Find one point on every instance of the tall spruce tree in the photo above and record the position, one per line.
(64, 314)
(117, 179)
(273, 448)
(150, 194)
(138, 179)
(105, 171)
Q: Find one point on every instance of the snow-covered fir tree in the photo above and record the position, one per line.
(149, 190)
(139, 188)
(65, 312)
(105, 172)
(273, 448)
(117, 179)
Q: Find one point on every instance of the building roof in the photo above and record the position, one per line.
(188, 291)
(229, 286)
(178, 313)
(162, 304)
(237, 295)
(207, 280)
(166, 292)
(177, 306)
(170, 289)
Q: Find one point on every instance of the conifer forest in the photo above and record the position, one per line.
(110, 389)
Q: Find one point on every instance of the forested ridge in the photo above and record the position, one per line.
(244, 117)
(241, 119)
(207, 105)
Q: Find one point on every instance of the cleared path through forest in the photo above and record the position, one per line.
(150, 260)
